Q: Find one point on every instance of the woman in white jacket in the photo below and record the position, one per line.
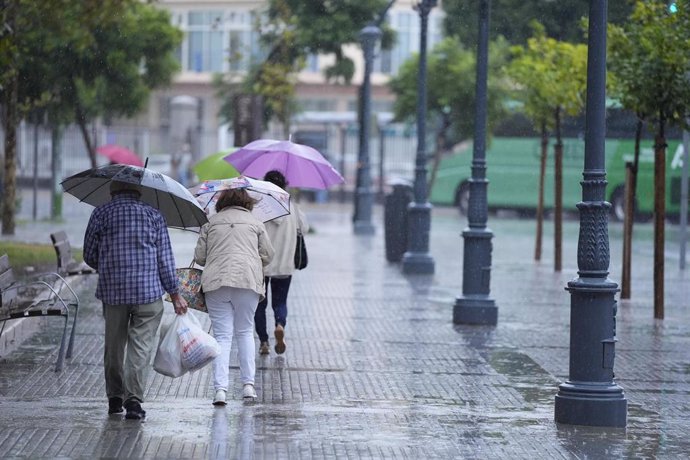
(234, 249)
(283, 235)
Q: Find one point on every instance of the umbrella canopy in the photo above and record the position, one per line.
(215, 167)
(178, 206)
(301, 165)
(272, 201)
(120, 155)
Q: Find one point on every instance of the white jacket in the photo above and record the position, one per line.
(283, 235)
(234, 248)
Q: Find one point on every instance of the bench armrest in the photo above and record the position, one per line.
(56, 279)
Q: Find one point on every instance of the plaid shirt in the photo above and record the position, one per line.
(128, 242)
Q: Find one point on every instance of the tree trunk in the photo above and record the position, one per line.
(540, 201)
(627, 232)
(87, 140)
(81, 121)
(9, 193)
(558, 196)
(56, 170)
(659, 218)
(440, 148)
(630, 210)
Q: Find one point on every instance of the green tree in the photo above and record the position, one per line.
(511, 18)
(451, 75)
(26, 26)
(290, 31)
(649, 58)
(130, 54)
(551, 76)
(76, 61)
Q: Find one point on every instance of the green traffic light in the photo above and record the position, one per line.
(673, 8)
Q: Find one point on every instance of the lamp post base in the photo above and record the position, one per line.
(418, 263)
(362, 227)
(478, 311)
(591, 404)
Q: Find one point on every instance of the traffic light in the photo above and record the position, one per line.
(672, 7)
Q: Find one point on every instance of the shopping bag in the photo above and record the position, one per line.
(300, 252)
(189, 285)
(168, 360)
(197, 347)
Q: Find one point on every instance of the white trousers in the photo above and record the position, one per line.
(231, 311)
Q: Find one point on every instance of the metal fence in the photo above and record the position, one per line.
(395, 157)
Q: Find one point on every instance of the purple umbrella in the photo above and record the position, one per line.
(301, 165)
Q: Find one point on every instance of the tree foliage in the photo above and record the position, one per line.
(549, 75)
(511, 18)
(78, 60)
(451, 76)
(648, 57)
(290, 31)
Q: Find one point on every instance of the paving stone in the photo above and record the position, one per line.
(374, 366)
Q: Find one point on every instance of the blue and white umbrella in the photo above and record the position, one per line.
(271, 201)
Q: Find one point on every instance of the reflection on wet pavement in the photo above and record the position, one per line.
(375, 368)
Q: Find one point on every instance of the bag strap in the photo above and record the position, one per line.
(192, 264)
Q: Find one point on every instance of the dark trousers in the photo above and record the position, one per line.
(279, 293)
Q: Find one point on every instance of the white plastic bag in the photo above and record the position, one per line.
(168, 360)
(197, 347)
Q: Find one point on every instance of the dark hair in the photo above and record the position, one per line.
(235, 197)
(276, 177)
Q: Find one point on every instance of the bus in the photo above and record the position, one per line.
(513, 172)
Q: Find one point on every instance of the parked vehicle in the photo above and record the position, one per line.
(513, 174)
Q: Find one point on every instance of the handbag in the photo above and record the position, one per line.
(189, 285)
(301, 258)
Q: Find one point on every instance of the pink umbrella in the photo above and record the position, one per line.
(301, 165)
(120, 155)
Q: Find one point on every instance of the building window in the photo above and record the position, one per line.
(217, 40)
(205, 41)
(312, 63)
(406, 26)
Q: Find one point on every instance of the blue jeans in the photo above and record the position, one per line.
(279, 293)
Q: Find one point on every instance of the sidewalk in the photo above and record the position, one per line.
(375, 367)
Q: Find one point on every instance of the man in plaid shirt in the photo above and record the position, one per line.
(127, 241)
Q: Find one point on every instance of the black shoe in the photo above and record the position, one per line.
(115, 405)
(134, 410)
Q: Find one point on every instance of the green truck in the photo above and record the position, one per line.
(513, 174)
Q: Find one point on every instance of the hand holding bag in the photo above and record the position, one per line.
(301, 259)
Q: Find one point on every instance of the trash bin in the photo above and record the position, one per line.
(395, 219)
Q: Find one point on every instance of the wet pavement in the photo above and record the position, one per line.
(375, 367)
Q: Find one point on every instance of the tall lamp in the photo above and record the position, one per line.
(590, 396)
(417, 259)
(368, 37)
(475, 306)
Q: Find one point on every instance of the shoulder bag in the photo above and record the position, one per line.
(301, 258)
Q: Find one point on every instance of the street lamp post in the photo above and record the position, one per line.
(417, 259)
(590, 396)
(475, 306)
(368, 36)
